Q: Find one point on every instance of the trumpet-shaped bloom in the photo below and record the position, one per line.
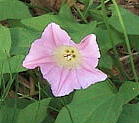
(65, 64)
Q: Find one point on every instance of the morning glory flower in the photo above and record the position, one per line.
(65, 64)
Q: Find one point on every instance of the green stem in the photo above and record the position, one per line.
(81, 15)
(2, 83)
(113, 87)
(127, 40)
(39, 91)
(104, 3)
(10, 82)
(25, 96)
(111, 39)
(39, 80)
(89, 5)
(52, 108)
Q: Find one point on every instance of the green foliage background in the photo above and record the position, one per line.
(100, 103)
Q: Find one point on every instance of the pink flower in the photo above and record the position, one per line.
(66, 65)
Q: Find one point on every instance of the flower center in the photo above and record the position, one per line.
(67, 56)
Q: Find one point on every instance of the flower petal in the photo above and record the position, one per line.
(87, 76)
(50, 72)
(38, 54)
(63, 81)
(89, 50)
(55, 35)
(63, 86)
(90, 61)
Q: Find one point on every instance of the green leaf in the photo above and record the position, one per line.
(104, 40)
(8, 114)
(76, 31)
(134, 39)
(105, 61)
(49, 119)
(128, 91)
(130, 21)
(22, 39)
(5, 42)
(8, 63)
(96, 14)
(98, 104)
(23, 111)
(19, 102)
(105, 44)
(130, 114)
(10, 108)
(66, 9)
(34, 113)
(12, 64)
(13, 10)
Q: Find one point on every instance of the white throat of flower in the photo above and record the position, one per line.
(67, 56)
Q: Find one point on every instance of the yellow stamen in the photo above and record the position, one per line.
(67, 56)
